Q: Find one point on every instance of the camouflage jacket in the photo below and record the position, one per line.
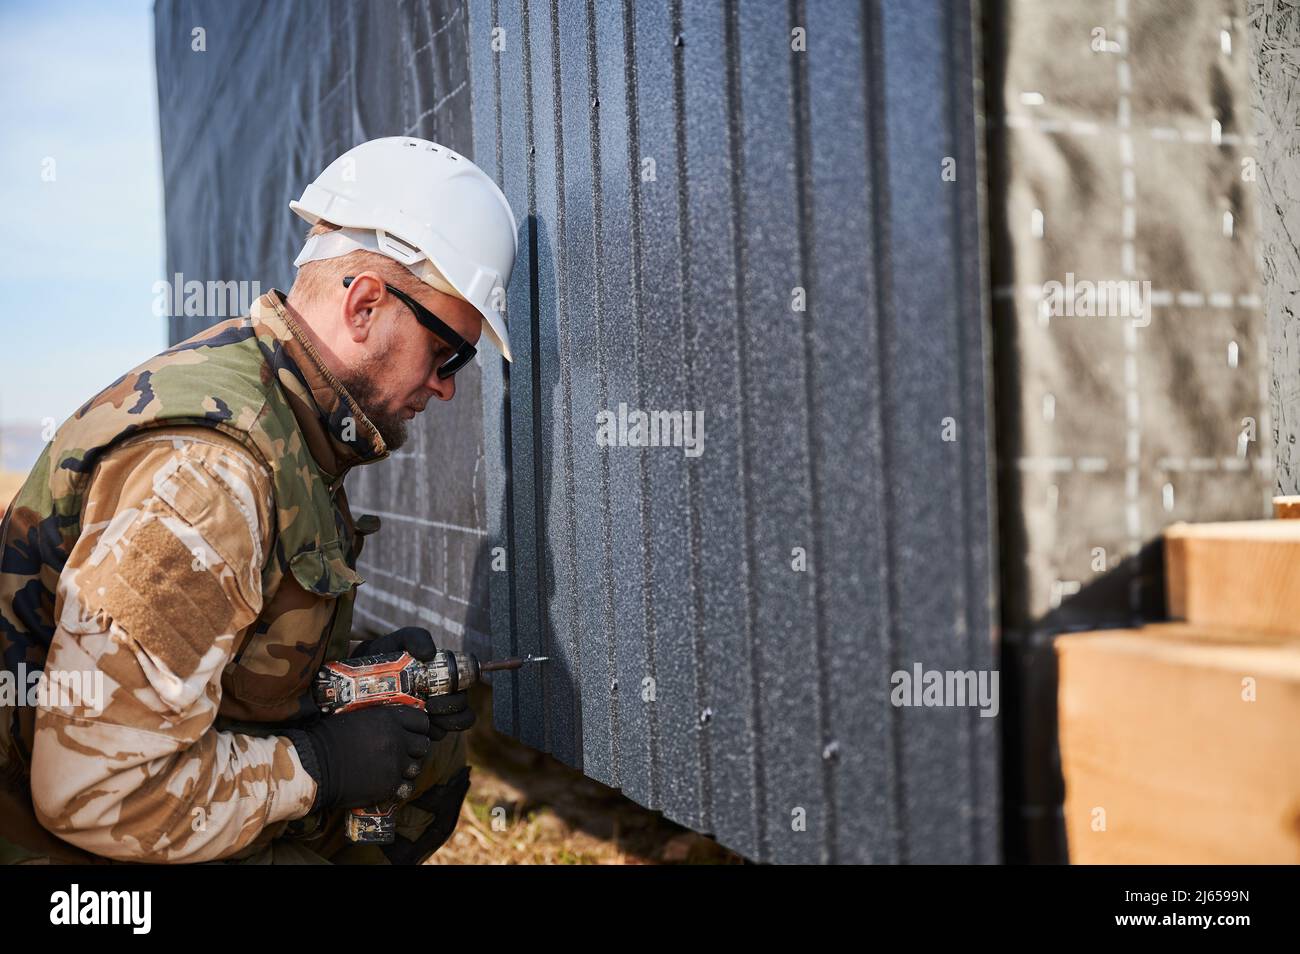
(185, 541)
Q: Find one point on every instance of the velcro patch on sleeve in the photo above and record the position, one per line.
(158, 597)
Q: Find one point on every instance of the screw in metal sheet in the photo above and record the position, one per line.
(831, 753)
(595, 102)
(677, 39)
(613, 686)
(705, 716)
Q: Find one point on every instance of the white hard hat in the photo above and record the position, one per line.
(425, 206)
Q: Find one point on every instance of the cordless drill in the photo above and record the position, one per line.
(395, 679)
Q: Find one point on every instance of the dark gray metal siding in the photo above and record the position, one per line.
(773, 169)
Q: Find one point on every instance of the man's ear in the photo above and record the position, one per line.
(360, 300)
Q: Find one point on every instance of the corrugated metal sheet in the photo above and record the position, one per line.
(682, 174)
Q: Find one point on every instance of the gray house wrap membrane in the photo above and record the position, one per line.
(794, 244)
(1120, 140)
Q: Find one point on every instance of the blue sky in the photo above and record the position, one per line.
(78, 255)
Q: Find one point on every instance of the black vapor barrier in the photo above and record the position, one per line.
(255, 99)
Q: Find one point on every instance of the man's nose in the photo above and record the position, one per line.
(444, 389)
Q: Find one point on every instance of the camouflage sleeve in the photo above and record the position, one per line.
(165, 575)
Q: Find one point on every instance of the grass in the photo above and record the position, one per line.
(525, 807)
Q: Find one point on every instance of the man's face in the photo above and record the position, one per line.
(393, 371)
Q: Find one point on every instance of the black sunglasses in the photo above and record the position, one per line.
(462, 350)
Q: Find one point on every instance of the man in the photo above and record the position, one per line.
(184, 546)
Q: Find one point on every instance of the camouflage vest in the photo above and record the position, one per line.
(246, 378)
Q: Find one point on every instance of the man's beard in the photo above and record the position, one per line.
(360, 384)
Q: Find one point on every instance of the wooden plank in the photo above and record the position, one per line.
(1178, 746)
(1244, 574)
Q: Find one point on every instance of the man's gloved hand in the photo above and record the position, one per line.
(450, 713)
(418, 642)
(365, 757)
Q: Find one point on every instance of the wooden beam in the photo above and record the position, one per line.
(1179, 745)
(1243, 575)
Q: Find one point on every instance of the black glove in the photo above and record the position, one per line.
(364, 758)
(418, 642)
(450, 713)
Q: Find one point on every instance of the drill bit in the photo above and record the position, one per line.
(515, 662)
